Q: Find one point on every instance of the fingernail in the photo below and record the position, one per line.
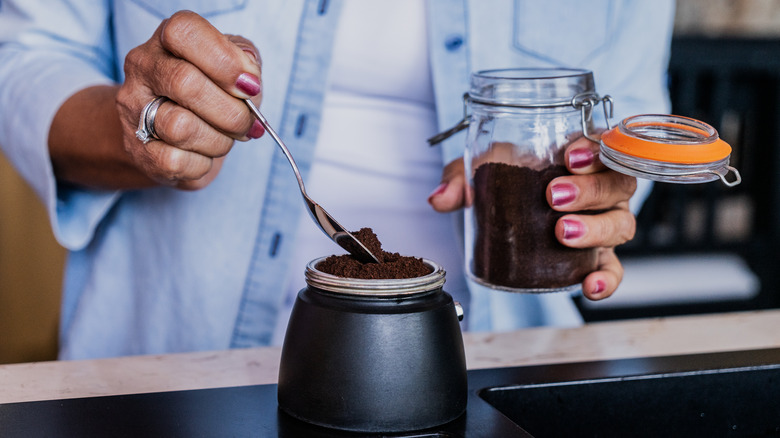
(572, 229)
(580, 158)
(256, 131)
(249, 84)
(600, 287)
(563, 193)
(438, 191)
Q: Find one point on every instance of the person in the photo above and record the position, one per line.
(189, 238)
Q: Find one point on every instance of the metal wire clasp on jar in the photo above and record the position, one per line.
(584, 102)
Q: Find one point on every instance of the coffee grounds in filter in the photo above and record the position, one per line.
(392, 266)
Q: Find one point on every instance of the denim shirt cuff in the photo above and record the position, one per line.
(73, 213)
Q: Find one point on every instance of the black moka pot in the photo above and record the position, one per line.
(373, 355)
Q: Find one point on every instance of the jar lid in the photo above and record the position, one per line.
(667, 148)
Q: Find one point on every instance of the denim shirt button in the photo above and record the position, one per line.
(453, 43)
(274, 247)
(300, 125)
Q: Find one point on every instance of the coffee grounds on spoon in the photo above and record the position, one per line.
(392, 266)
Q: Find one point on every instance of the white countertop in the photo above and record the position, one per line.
(252, 366)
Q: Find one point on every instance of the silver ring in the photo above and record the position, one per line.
(146, 132)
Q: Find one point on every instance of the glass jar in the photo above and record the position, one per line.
(382, 355)
(520, 124)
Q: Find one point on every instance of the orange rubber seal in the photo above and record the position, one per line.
(624, 138)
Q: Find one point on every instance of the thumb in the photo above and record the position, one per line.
(452, 194)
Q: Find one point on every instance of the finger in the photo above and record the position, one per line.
(611, 228)
(187, 86)
(178, 126)
(603, 283)
(581, 157)
(452, 194)
(152, 71)
(189, 36)
(197, 184)
(184, 149)
(170, 165)
(257, 130)
(250, 50)
(590, 192)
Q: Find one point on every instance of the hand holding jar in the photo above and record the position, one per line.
(594, 187)
(590, 187)
(543, 213)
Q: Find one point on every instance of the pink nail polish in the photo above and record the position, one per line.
(438, 191)
(249, 84)
(580, 158)
(600, 287)
(573, 229)
(563, 193)
(256, 131)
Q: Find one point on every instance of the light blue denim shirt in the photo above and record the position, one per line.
(161, 270)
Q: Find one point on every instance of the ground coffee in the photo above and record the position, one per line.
(393, 265)
(514, 244)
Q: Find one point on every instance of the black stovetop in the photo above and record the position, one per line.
(251, 411)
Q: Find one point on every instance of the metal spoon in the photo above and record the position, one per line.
(325, 221)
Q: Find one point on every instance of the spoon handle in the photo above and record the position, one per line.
(278, 140)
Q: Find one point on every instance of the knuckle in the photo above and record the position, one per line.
(623, 226)
(632, 185)
(182, 165)
(184, 81)
(172, 164)
(606, 231)
(630, 228)
(179, 128)
(178, 28)
(134, 59)
(124, 100)
(600, 189)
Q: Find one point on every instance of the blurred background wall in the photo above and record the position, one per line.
(31, 261)
(718, 18)
(30, 273)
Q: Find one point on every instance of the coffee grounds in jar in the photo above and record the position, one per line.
(515, 244)
(392, 266)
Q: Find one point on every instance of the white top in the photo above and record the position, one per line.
(373, 167)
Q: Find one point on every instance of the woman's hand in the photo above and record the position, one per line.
(591, 187)
(594, 187)
(204, 73)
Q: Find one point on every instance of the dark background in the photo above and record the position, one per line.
(732, 83)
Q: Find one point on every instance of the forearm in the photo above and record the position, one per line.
(86, 146)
